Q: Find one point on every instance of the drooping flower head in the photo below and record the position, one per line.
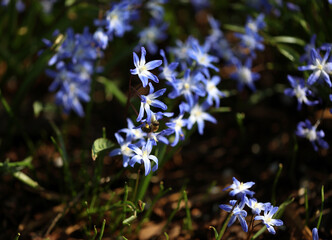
(237, 213)
(314, 230)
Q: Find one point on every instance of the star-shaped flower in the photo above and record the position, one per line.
(143, 68)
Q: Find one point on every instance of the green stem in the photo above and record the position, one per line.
(321, 208)
(189, 222)
(274, 187)
(136, 186)
(224, 227)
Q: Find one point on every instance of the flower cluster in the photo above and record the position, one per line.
(74, 63)
(120, 18)
(321, 69)
(189, 80)
(264, 212)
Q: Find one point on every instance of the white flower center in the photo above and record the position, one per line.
(178, 124)
(300, 93)
(311, 135)
(245, 75)
(141, 69)
(211, 87)
(145, 154)
(126, 150)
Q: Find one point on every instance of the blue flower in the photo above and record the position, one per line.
(244, 75)
(215, 33)
(268, 219)
(300, 91)
(200, 4)
(306, 130)
(84, 49)
(181, 50)
(293, 7)
(142, 156)
(256, 24)
(150, 100)
(251, 40)
(142, 68)
(156, 8)
(240, 189)
(198, 115)
(213, 93)
(101, 38)
(168, 70)
(238, 213)
(20, 6)
(314, 230)
(306, 57)
(66, 49)
(150, 35)
(256, 207)
(319, 66)
(70, 95)
(132, 132)
(124, 149)
(200, 55)
(189, 86)
(118, 19)
(176, 125)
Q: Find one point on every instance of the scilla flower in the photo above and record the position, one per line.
(315, 234)
(319, 66)
(198, 115)
(142, 156)
(237, 213)
(268, 219)
(244, 75)
(256, 207)
(176, 125)
(124, 150)
(142, 68)
(150, 100)
(306, 130)
(240, 189)
(300, 91)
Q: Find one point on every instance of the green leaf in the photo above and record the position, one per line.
(111, 88)
(16, 166)
(234, 28)
(221, 109)
(288, 52)
(100, 146)
(215, 231)
(26, 179)
(287, 39)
